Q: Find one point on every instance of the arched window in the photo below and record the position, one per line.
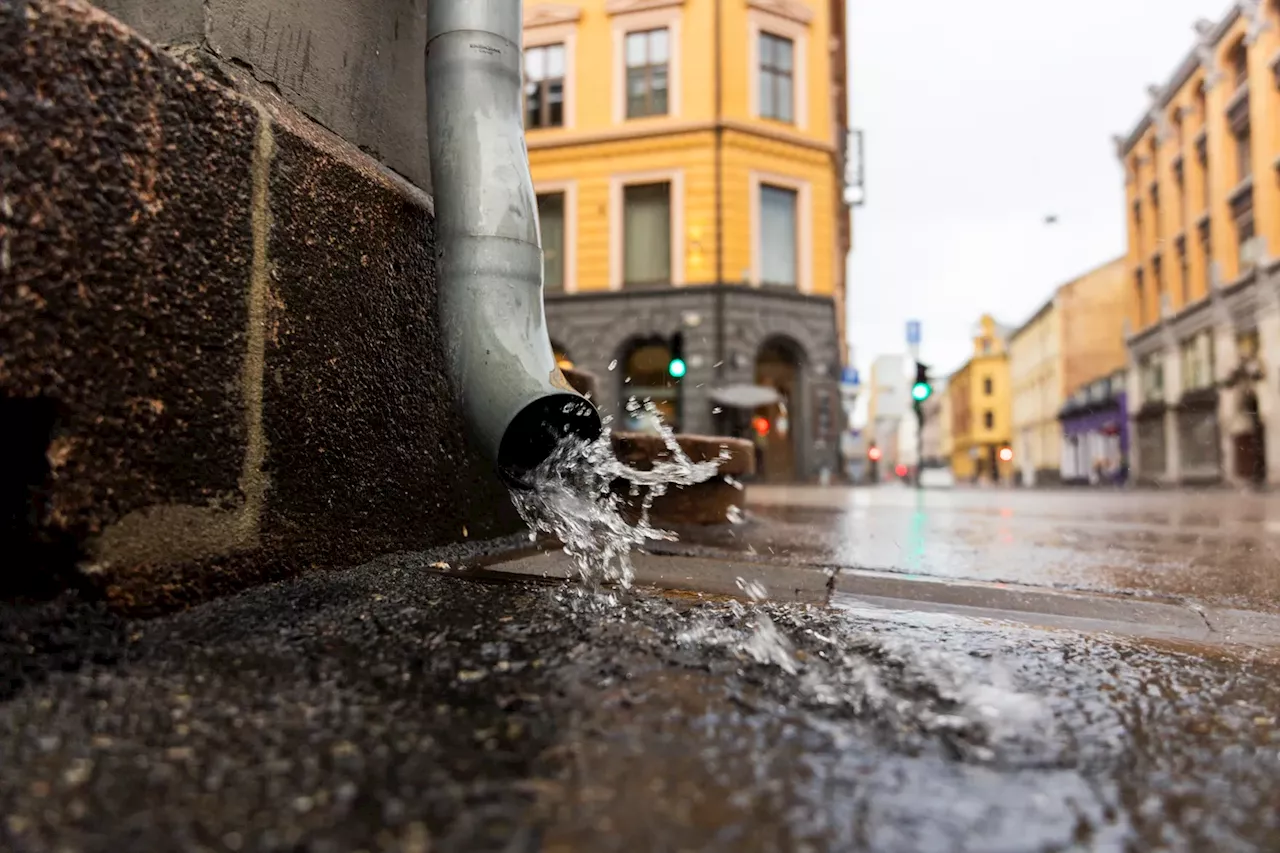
(645, 376)
(1238, 63)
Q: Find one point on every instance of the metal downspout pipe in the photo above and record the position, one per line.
(515, 401)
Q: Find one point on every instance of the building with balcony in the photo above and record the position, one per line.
(1077, 335)
(688, 158)
(1202, 202)
(981, 414)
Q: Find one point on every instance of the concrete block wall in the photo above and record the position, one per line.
(219, 360)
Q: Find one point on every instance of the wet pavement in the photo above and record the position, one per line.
(395, 708)
(1214, 548)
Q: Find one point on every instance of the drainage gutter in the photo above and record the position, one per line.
(515, 401)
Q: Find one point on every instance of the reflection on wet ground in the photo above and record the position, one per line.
(389, 708)
(1218, 548)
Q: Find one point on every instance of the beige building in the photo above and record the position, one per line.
(1075, 337)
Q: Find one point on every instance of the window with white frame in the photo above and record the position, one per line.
(779, 236)
(551, 209)
(646, 234)
(1151, 378)
(777, 77)
(544, 86)
(647, 83)
(1197, 362)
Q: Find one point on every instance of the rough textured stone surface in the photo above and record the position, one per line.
(354, 335)
(126, 246)
(219, 361)
(598, 328)
(355, 67)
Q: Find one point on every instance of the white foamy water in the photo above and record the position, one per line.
(572, 499)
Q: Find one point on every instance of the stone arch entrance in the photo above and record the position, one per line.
(780, 428)
(642, 373)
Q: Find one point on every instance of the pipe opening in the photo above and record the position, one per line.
(538, 429)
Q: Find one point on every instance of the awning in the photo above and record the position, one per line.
(744, 396)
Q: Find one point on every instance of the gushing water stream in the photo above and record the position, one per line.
(573, 498)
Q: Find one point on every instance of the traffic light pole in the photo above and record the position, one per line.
(919, 444)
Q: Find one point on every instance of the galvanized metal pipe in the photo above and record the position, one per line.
(514, 398)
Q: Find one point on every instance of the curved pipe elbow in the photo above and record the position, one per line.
(515, 401)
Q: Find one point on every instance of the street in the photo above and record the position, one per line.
(1219, 548)
(419, 703)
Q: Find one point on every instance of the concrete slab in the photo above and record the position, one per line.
(850, 588)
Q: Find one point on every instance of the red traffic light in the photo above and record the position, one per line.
(760, 424)
(1006, 454)
(874, 454)
(900, 470)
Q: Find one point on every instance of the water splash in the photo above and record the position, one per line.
(574, 498)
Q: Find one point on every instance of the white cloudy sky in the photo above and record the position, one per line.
(981, 118)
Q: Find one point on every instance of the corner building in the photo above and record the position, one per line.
(689, 160)
(1203, 211)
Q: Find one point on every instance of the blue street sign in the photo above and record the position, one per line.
(849, 376)
(913, 332)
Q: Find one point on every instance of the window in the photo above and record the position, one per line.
(544, 86)
(646, 234)
(1197, 362)
(551, 224)
(987, 386)
(1157, 281)
(1238, 61)
(1244, 152)
(1151, 376)
(778, 236)
(647, 58)
(989, 419)
(1155, 209)
(1141, 293)
(1206, 255)
(1184, 270)
(1202, 158)
(1244, 241)
(777, 84)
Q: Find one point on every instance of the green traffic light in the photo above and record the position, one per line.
(676, 367)
(921, 391)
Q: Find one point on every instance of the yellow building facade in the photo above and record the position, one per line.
(979, 398)
(1203, 218)
(1077, 336)
(689, 162)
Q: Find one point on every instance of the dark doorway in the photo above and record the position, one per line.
(646, 377)
(1251, 446)
(778, 366)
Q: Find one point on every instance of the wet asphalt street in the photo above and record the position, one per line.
(1218, 548)
(397, 706)
(394, 708)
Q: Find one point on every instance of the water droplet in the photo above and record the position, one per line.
(613, 364)
(717, 410)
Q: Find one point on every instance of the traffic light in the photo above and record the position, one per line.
(1006, 454)
(921, 390)
(676, 366)
(761, 425)
(873, 453)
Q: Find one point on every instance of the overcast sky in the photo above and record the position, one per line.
(982, 118)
